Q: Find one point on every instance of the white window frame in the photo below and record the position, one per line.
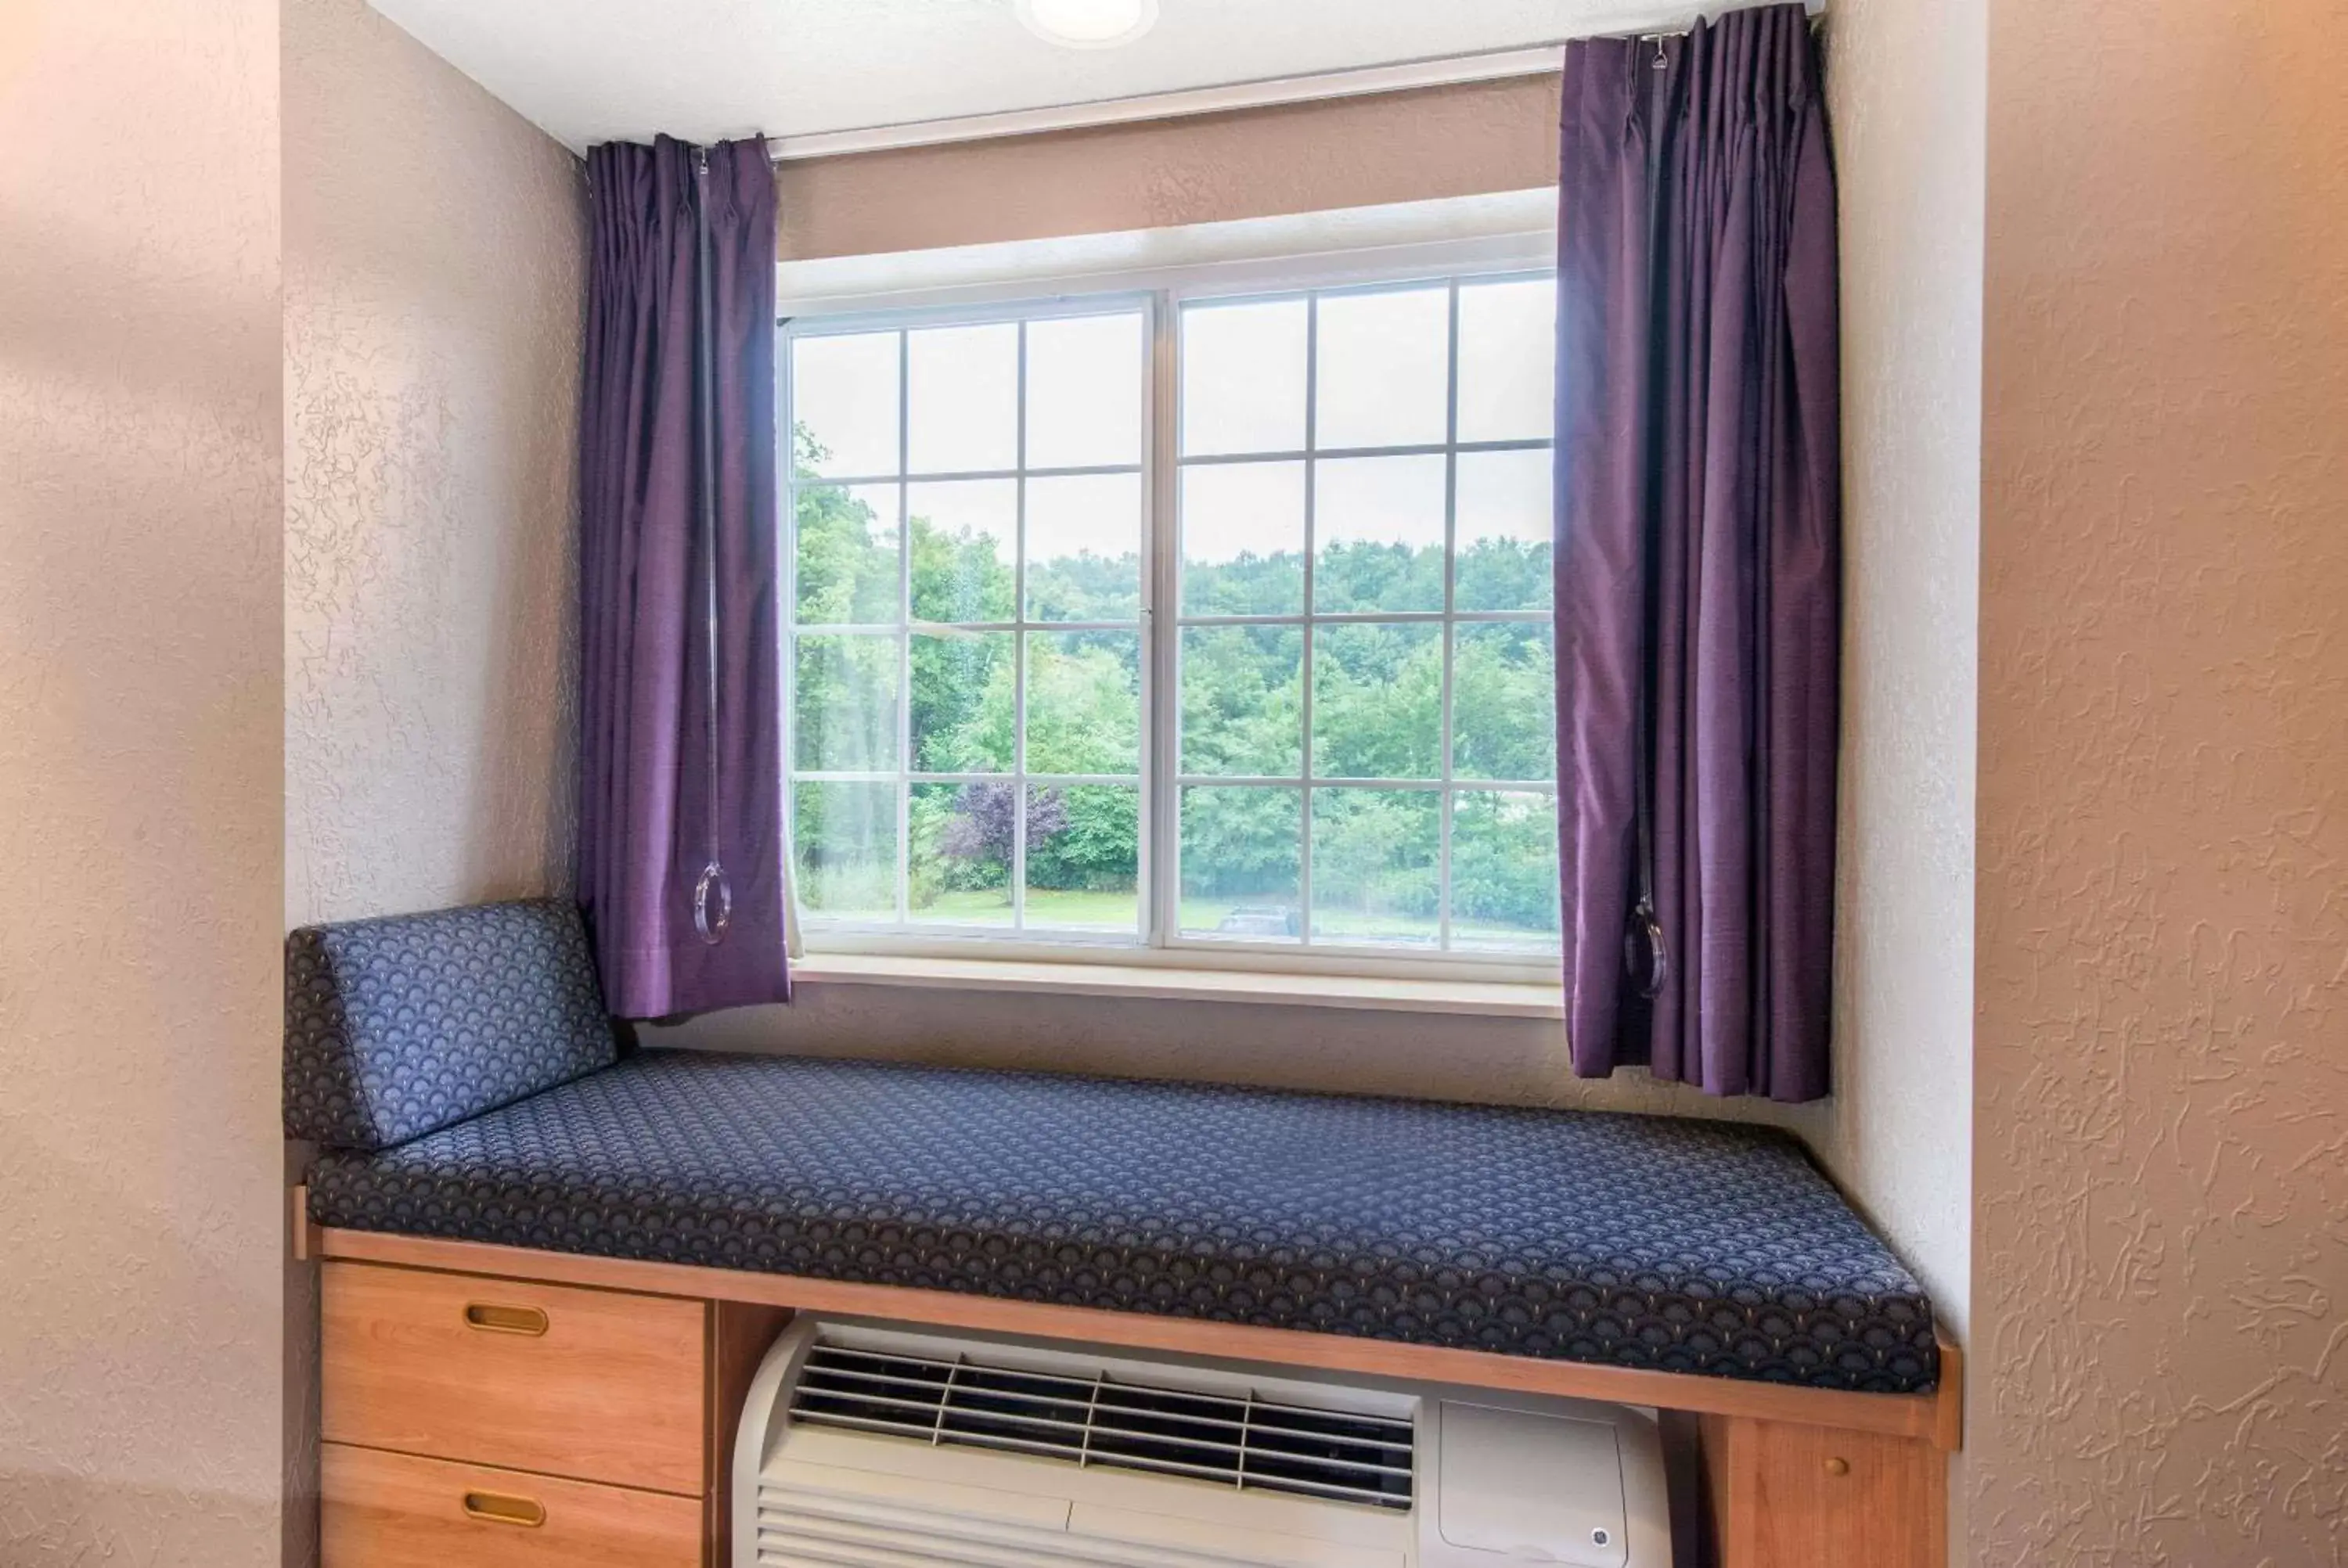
(1033, 291)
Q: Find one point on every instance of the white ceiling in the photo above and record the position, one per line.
(596, 70)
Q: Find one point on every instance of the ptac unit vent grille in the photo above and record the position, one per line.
(1244, 1442)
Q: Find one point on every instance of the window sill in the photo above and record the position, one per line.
(1493, 999)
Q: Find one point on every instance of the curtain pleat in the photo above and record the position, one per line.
(647, 823)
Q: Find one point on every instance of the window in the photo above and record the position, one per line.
(1211, 625)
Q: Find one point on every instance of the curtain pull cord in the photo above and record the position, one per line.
(713, 895)
(1646, 950)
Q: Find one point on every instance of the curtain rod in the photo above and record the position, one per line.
(1264, 92)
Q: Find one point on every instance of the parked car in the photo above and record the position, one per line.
(1261, 921)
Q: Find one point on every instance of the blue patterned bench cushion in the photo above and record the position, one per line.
(400, 1027)
(1688, 1246)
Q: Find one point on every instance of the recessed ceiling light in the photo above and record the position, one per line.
(1088, 24)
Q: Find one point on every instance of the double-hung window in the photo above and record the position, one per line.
(1191, 622)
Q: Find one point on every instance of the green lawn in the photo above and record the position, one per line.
(1113, 911)
(1117, 911)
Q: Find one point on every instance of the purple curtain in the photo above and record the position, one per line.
(1698, 555)
(680, 381)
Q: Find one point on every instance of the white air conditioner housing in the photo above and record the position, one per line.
(864, 1446)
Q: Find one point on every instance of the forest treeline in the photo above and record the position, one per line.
(1378, 708)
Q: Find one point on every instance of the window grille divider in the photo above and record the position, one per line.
(904, 629)
(1022, 643)
(1304, 818)
(1161, 802)
(961, 476)
(1450, 632)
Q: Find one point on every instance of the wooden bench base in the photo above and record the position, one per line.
(1792, 1477)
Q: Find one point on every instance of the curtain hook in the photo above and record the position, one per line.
(1662, 57)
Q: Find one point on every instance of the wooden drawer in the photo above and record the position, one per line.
(395, 1510)
(590, 1384)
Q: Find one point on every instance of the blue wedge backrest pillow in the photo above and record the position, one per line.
(401, 1026)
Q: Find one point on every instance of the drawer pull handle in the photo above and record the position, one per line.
(498, 1508)
(505, 1319)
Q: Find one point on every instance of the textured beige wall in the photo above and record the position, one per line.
(2160, 1309)
(141, 1227)
(1253, 163)
(1905, 84)
(435, 277)
(435, 281)
(1505, 1061)
(1905, 87)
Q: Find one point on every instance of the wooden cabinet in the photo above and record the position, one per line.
(398, 1511)
(471, 1421)
(594, 1384)
(1787, 1495)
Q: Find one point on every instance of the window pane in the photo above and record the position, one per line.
(844, 840)
(1084, 392)
(1504, 702)
(1084, 703)
(962, 703)
(1084, 548)
(1084, 857)
(965, 539)
(844, 403)
(1243, 539)
(1377, 702)
(1385, 370)
(847, 555)
(1504, 528)
(1243, 701)
(962, 399)
(1504, 880)
(844, 703)
(1390, 535)
(1375, 866)
(1241, 854)
(1377, 527)
(959, 866)
(1507, 358)
(1244, 377)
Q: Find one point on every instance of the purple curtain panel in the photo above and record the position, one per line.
(653, 808)
(1698, 555)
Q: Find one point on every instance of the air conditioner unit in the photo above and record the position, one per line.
(864, 1446)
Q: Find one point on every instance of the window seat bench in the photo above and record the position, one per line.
(1640, 1241)
(1694, 1267)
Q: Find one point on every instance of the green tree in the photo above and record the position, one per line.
(1084, 587)
(1377, 699)
(845, 559)
(1503, 702)
(1241, 843)
(958, 575)
(1242, 700)
(1502, 574)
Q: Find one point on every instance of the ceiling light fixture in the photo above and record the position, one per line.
(1088, 24)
